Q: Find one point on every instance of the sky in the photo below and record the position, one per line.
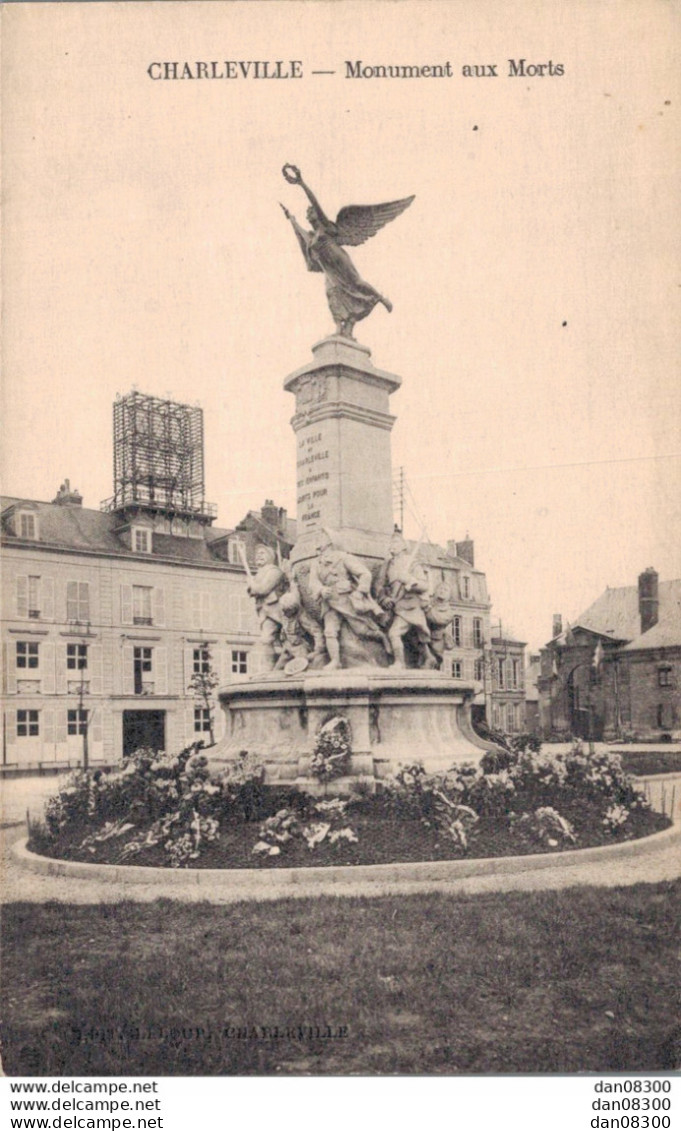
(535, 278)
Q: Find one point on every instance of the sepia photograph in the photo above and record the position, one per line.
(340, 543)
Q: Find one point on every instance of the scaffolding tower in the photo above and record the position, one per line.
(158, 458)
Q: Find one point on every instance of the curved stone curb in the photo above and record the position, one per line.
(321, 880)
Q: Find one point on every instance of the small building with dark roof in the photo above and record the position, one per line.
(616, 672)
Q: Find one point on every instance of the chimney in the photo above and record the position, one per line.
(557, 625)
(66, 497)
(648, 599)
(466, 550)
(273, 516)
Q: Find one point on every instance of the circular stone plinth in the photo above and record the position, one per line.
(395, 717)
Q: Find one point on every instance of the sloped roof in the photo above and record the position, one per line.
(665, 634)
(616, 614)
(78, 528)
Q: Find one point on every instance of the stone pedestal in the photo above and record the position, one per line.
(396, 717)
(342, 424)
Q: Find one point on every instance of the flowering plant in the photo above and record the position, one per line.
(278, 831)
(332, 750)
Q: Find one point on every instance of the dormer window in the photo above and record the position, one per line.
(236, 550)
(141, 540)
(27, 525)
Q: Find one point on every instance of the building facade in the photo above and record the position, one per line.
(616, 672)
(506, 690)
(102, 634)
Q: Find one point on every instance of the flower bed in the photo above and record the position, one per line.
(168, 812)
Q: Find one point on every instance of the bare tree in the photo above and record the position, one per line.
(203, 683)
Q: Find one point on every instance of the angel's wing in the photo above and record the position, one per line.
(358, 222)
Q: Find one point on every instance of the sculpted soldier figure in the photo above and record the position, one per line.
(350, 298)
(343, 583)
(267, 585)
(440, 614)
(401, 585)
(302, 638)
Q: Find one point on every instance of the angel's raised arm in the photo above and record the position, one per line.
(294, 177)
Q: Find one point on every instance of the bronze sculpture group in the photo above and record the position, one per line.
(335, 613)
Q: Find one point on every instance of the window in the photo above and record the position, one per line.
(466, 586)
(34, 598)
(142, 668)
(28, 527)
(141, 604)
(76, 657)
(511, 718)
(201, 719)
(501, 673)
(514, 673)
(240, 663)
(235, 549)
(479, 669)
(76, 721)
(141, 540)
(477, 632)
(664, 716)
(456, 631)
(78, 601)
(496, 717)
(27, 654)
(456, 669)
(664, 677)
(27, 724)
(201, 661)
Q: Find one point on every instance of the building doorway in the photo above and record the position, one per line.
(143, 728)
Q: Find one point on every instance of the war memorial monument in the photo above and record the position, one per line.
(349, 627)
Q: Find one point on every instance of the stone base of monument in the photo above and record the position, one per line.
(396, 718)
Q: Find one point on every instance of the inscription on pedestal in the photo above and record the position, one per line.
(313, 456)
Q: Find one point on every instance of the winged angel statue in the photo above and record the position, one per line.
(350, 298)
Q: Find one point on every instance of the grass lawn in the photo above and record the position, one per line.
(651, 761)
(582, 980)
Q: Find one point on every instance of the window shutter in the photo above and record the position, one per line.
(85, 610)
(178, 607)
(9, 668)
(158, 607)
(11, 727)
(233, 612)
(160, 671)
(47, 598)
(128, 673)
(126, 604)
(190, 735)
(22, 596)
(188, 668)
(47, 672)
(61, 735)
(47, 729)
(61, 668)
(95, 725)
(94, 669)
(72, 600)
